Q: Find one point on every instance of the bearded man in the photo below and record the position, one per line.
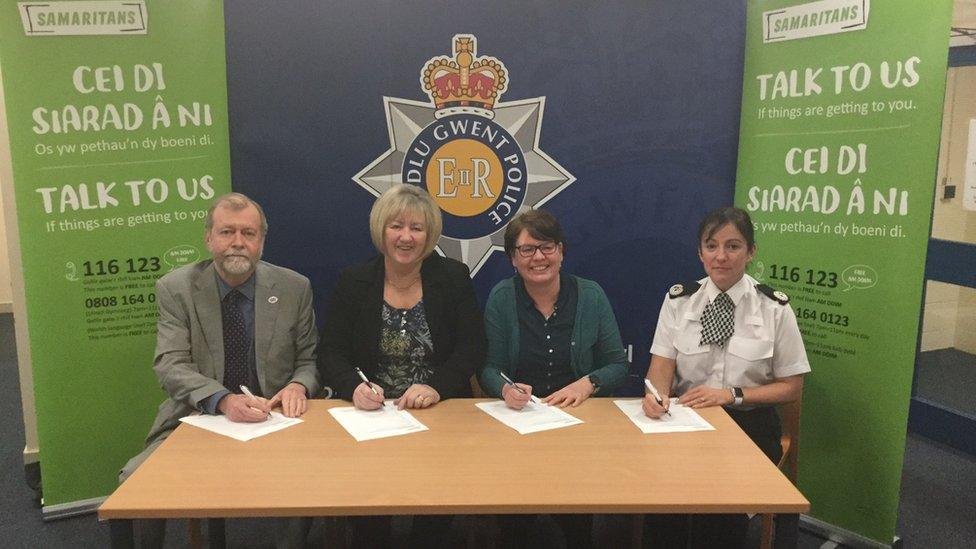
(231, 322)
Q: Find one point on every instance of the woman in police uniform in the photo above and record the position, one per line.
(727, 340)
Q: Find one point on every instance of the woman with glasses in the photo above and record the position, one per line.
(552, 333)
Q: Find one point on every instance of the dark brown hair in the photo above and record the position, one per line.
(716, 219)
(540, 224)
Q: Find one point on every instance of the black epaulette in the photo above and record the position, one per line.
(775, 295)
(683, 289)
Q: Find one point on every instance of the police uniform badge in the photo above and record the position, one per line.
(683, 289)
(776, 295)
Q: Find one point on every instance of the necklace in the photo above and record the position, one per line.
(401, 288)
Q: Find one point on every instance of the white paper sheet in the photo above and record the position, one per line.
(373, 424)
(530, 419)
(682, 418)
(241, 431)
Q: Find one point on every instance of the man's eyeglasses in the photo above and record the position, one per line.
(528, 250)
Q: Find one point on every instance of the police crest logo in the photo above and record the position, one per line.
(479, 158)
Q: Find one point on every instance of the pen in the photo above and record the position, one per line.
(654, 392)
(247, 392)
(517, 388)
(362, 376)
(365, 379)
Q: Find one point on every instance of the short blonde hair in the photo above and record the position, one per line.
(402, 198)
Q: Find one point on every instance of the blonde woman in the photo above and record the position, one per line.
(408, 318)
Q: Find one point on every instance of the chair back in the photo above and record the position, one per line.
(476, 390)
(789, 417)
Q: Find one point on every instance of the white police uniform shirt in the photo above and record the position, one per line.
(766, 344)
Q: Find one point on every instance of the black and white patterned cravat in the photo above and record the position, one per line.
(235, 342)
(718, 322)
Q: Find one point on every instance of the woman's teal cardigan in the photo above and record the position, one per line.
(597, 348)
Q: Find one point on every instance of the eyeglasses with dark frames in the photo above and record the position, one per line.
(528, 250)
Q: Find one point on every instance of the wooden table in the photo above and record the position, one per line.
(464, 464)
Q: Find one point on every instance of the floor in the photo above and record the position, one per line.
(947, 377)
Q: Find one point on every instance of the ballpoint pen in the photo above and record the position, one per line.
(362, 376)
(365, 379)
(519, 389)
(654, 392)
(247, 392)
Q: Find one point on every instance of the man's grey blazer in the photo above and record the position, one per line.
(189, 360)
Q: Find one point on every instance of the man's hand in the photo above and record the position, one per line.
(571, 395)
(292, 398)
(244, 409)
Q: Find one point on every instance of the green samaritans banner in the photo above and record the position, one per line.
(841, 111)
(117, 113)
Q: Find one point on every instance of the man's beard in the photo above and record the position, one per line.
(237, 264)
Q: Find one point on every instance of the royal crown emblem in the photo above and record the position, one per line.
(465, 84)
(479, 158)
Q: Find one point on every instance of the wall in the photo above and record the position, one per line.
(642, 107)
(648, 128)
(6, 292)
(950, 310)
(10, 264)
(939, 316)
(966, 320)
(950, 221)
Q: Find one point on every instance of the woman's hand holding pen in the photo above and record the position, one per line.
(654, 409)
(514, 398)
(651, 407)
(367, 396)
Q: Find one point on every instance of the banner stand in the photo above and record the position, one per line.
(114, 144)
(839, 535)
(31, 452)
(840, 126)
(73, 509)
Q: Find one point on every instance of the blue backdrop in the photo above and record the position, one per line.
(642, 107)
